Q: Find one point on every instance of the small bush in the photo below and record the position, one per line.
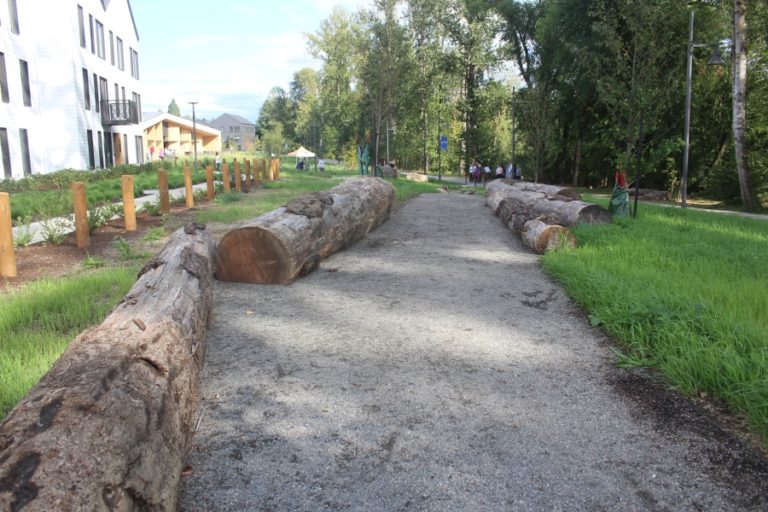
(155, 233)
(54, 229)
(24, 232)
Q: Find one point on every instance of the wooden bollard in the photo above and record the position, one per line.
(225, 177)
(80, 204)
(277, 169)
(271, 171)
(256, 174)
(188, 187)
(247, 180)
(238, 177)
(263, 169)
(210, 190)
(162, 185)
(129, 207)
(7, 252)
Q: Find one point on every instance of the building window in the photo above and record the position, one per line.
(120, 58)
(111, 48)
(14, 15)
(101, 150)
(139, 149)
(110, 162)
(125, 148)
(86, 91)
(137, 104)
(117, 92)
(93, 39)
(25, 160)
(91, 154)
(6, 153)
(134, 64)
(81, 24)
(100, 45)
(25, 89)
(104, 90)
(96, 104)
(3, 80)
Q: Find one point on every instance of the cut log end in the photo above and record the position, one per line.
(543, 237)
(253, 255)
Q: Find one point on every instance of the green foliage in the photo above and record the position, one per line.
(155, 233)
(38, 322)
(54, 229)
(173, 108)
(662, 287)
(91, 262)
(24, 232)
(126, 250)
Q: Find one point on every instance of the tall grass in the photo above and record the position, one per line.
(38, 322)
(686, 292)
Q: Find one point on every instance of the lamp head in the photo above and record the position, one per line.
(715, 59)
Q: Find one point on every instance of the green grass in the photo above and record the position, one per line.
(685, 292)
(38, 322)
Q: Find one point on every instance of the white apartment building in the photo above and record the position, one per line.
(70, 94)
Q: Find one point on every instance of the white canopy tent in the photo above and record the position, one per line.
(302, 152)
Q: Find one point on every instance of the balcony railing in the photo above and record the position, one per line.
(119, 112)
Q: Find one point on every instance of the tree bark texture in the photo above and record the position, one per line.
(516, 206)
(542, 237)
(740, 103)
(289, 242)
(498, 190)
(107, 428)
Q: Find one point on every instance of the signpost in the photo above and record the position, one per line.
(443, 147)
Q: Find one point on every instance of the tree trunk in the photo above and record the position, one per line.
(551, 190)
(499, 190)
(107, 428)
(515, 207)
(542, 237)
(739, 102)
(289, 242)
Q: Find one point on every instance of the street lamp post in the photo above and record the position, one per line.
(714, 59)
(513, 132)
(194, 131)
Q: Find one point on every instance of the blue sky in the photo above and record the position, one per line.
(226, 55)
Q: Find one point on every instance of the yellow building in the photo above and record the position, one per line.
(166, 133)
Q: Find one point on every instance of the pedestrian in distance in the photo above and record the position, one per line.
(321, 165)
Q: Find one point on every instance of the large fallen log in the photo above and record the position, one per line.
(108, 426)
(542, 237)
(552, 190)
(497, 190)
(519, 206)
(289, 242)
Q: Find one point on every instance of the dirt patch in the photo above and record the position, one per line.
(49, 261)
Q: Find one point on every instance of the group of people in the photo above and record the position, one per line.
(483, 173)
(301, 165)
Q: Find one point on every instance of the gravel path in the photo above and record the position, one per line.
(433, 366)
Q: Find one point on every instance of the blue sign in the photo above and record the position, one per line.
(443, 142)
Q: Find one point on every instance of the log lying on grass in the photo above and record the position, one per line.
(108, 426)
(552, 190)
(289, 242)
(522, 206)
(542, 237)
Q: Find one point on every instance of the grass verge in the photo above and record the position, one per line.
(685, 292)
(38, 322)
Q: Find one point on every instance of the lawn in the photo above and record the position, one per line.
(685, 292)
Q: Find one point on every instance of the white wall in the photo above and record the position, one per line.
(57, 122)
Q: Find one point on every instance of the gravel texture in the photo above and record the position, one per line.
(433, 366)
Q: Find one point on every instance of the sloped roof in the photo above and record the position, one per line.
(159, 117)
(302, 152)
(238, 119)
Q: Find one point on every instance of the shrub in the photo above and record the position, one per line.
(24, 232)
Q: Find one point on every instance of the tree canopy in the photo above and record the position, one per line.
(597, 86)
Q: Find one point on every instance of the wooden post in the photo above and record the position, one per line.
(162, 184)
(188, 187)
(129, 207)
(210, 189)
(80, 204)
(271, 170)
(238, 177)
(225, 177)
(263, 169)
(7, 253)
(256, 174)
(247, 181)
